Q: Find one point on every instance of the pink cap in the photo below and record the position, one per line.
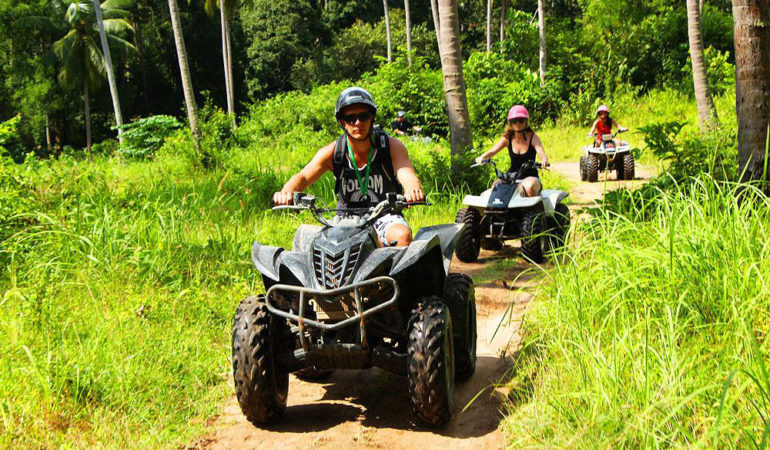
(518, 112)
(603, 108)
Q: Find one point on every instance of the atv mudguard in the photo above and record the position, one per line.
(551, 198)
(304, 237)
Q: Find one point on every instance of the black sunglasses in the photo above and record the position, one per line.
(351, 118)
(518, 120)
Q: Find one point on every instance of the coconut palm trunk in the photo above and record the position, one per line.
(387, 29)
(707, 113)
(184, 71)
(436, 25)
(226, 60)
(408, 32)
(543, 50)
(502, 24)
(461, 139)
(87, 110)
(752, 90)
(109, 69)
(489, 26)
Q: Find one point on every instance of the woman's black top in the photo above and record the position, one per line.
(518, 159)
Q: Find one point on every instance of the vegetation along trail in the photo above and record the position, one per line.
(370, 408)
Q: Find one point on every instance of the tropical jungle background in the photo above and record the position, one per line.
(141, 141)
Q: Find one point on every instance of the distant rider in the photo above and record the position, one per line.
(366, 164)
(603, 124)
(401, 126)
(523, 145)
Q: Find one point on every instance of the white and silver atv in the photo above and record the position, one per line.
(610, 155)
(502, 213)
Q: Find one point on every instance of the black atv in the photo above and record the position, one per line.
(502, 213)
(338, 300)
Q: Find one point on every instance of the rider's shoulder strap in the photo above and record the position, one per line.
(338, 158)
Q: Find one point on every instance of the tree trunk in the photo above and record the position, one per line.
(110, 70)
(226, 61)
(47, 135)
(436, 25)
(228, 35)
(541, 25)
(408, 32)
(184, 71)
(502, 25)
(707, 114)
(752, 91)
(87, 108)
(387, 29)
(461, 139)
(489, 26)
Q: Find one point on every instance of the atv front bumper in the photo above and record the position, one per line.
(333, 304)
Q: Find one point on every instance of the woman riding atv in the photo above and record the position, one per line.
(603, 125)
(523, 145)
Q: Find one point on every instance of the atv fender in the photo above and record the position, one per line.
(477, 201)
(551, 198)
(267, 260)
(447, 235)
(376, 260)
(523, 202)
(304, 237)
(415, 252)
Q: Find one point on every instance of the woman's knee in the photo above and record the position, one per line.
(401, 234)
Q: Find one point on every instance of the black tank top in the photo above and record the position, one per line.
(518, 159)
(382, 178)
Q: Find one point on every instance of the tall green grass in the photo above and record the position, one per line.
(652, 331)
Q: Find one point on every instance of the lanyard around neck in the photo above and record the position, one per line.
(364, 184)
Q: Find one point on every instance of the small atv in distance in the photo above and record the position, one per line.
(502, 213)
(610, 155)
(339, 301)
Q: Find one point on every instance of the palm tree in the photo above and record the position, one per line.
(184, 71)
(387, 28)
(489, 26)
(707, 113)
(227, 9)
(541, 26)
(752, 76)
(408, 32)
(116, 7)
(80, 59)
(461, 139)
(502, 25)
(436, 25)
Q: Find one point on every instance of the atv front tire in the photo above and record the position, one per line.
(592, 168)
(531, 241)
(260, 386)
(460, 297)
(583, 168)
(469, 241)
(628, 167)
(558, 225)
(430, 363)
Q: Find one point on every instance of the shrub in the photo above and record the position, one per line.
(143, 137)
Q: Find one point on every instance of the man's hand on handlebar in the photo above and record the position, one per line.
(414, 195)
(282, 198)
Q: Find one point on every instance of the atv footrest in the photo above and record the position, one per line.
(352, 314)
(343, 357)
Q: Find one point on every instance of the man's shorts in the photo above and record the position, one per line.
(383, 224)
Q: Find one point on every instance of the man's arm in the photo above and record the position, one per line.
(405, 172)
(321, 162)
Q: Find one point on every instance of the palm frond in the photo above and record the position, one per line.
(116, 13)
(118, 4)
(118, 27)
(94, 63)
(120, 44)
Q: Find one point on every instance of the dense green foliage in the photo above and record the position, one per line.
(144, 137)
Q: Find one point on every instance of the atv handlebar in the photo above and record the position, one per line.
(393, 204)
(620, 130)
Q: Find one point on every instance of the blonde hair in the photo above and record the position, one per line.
(510, 131)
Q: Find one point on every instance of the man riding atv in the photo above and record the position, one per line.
(367, 164)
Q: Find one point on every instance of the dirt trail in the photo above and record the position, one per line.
(370, 409)
(585, 194)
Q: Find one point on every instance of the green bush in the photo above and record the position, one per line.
(143, 137)
(719, 72)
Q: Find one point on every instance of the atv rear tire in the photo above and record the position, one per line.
(469, 241)
(260, 386)
(592, 168)
(430, 363)
(628, 167)
(558, 225)
(460, 297)
(583, 168)
(491, 244)
(531, 241)
(313, 374)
